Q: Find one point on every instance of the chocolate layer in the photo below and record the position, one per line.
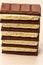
(19, 45)
(21, 21)
(19, 38)
(20, 53)
(33, 9)
(19, 29)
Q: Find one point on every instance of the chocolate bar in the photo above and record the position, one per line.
(20, 28)
(32, 9)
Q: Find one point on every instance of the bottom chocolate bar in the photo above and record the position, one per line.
(21, 53)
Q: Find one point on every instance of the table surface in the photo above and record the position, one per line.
(9, 59)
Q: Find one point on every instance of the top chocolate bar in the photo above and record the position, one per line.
(32, 9)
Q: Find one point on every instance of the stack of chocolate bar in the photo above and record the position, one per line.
(20, 28)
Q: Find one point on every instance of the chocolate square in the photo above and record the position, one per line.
(25, 7)
(15, 7)
(5, 7)
(36, 9)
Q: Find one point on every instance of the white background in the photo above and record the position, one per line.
(7, 59)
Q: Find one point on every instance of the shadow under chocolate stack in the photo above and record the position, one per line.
(20, 28)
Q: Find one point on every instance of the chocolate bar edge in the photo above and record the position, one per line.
(21, 53)
(19, 45)
(19, 29)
